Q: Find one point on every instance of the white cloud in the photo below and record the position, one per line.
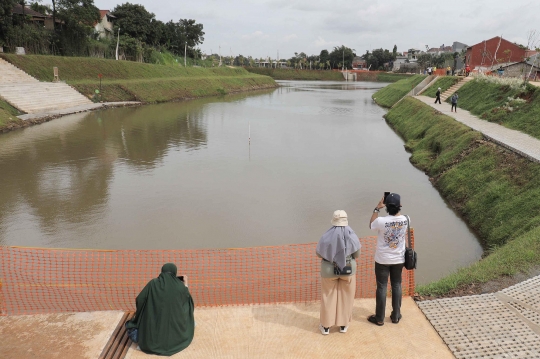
(255, 35)
(290, 37)
(320, 42)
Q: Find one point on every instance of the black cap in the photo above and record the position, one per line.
(393, 199)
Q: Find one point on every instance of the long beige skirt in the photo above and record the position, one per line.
(337, 300)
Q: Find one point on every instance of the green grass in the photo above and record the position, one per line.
(444, 82)
(292, 74)
(128, 81)
(389, 95)
(519, 255)
(162, 90)
(87, 68)
(8, 115)
(490, 102)
(494, 190)
(325, 75)
(389, 77)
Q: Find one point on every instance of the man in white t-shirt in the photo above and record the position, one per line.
(389, 256)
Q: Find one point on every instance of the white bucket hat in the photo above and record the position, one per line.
(340, 218)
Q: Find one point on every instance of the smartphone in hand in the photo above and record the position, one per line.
(385, 195)
(183, 279)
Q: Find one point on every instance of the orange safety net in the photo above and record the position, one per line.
(40, 280)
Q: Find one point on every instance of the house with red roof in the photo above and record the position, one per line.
(496, 50)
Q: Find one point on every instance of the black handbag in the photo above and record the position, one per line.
(410, 255)
(347, 270)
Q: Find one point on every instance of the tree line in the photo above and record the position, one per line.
(142, 37)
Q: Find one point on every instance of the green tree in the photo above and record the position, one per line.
(342, 55)
(134, 20)
(378, 58)
(6, 22)
(77, 25)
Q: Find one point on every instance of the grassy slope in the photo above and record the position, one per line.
(494, 190)
(7, 114)
(126, 80)
(487, 101)
(389, 77)
(389, 95)
(291, 74)
(444, 82)
(325, 75)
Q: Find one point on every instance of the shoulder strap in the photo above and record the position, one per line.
(408, 230)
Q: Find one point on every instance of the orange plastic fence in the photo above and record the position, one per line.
(38, 280)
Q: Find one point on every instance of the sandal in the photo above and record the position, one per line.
(395, 321)
(373, 319)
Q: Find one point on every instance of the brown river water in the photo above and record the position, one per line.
(184, 175)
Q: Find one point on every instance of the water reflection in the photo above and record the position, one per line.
(60, 172)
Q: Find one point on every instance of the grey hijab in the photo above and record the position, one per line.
(338, 243)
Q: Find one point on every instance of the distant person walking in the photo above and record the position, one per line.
(467, 70)
(338, 248)
(454, 102)
(438, 94)
(389, 256)
(429, 69)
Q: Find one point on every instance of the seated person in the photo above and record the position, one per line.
(164, 317)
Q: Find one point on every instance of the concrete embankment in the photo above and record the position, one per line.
(131, 81)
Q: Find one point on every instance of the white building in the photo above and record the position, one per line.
(105, 27)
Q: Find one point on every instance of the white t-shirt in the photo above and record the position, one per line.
(391, 237)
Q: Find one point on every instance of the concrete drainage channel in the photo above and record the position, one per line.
(505, 324)
(118, 344)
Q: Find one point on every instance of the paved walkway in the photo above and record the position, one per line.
(250, 331)
(505, 324)
(514, 140)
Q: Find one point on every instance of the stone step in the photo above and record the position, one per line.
(31, 96)
(29, 105)
(44, 97)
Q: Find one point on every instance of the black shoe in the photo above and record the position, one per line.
(394, 320)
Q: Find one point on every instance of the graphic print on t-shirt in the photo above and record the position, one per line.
(394, 232)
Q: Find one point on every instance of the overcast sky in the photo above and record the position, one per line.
(261, 28)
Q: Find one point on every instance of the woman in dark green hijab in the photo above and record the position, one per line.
(164, 316)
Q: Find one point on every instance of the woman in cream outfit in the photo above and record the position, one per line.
(338, 247)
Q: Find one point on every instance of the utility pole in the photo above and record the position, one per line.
(117, 43)
(185, 54)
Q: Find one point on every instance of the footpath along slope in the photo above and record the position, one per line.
(516, 141)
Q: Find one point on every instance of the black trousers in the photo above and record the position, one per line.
(382, 271)
(438, 99)
(454, 107)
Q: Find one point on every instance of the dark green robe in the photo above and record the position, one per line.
(164, 316)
